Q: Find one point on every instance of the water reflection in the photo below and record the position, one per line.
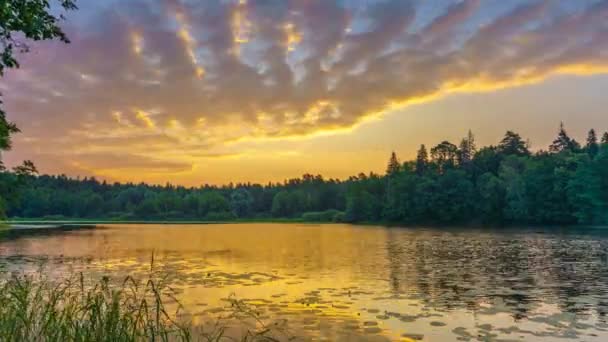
(341, 282)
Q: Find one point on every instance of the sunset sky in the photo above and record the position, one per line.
(193, 92)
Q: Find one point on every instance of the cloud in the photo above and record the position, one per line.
(173, 80)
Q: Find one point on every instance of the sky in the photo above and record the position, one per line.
(193, 92)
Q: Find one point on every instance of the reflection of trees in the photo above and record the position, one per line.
(459, 269)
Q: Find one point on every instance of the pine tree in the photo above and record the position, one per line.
(592, 146)
(563, 142)
(422, 160)
(513, 144)
(605, 138)
(393, 165)
(467, 149)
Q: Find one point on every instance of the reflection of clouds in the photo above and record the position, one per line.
(338, 277)
(254, 70)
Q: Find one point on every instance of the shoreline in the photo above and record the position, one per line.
(40, 224)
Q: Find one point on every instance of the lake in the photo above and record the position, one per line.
(356, 283)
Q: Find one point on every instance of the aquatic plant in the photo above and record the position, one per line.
(35, 308)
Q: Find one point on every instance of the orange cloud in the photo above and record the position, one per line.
(291, 71)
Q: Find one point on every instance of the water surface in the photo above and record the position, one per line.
(343, 282)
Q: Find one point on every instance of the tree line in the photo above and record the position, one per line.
(448, 184)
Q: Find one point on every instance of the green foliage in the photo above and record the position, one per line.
(466, 149)
(513, 144)
(393, 165)
(492, 198)
(364, 199)
(6, 129)
(512, 179)
(331, 215)
(444, 155)
(2, 209)
(587, 189)
(32, 20)
(33, 308)
(422, 160)
(40, 310)
(592, 145)
(241, 202)
(504, 184)
(563, 142)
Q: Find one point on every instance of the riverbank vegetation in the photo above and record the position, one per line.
(34, 308)
(502, 184)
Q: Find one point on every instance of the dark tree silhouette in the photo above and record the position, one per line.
(444, 155)
(605, 138)
(422, 160)
(592, 146)
(499, 185)
(563, 142)
(513, 144)
(467, 149)
(32, 20)
(393, 165)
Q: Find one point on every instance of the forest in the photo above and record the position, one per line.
(445, 185)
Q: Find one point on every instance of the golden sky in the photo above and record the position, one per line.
(193, 92)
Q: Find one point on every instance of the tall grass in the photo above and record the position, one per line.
(33, 308)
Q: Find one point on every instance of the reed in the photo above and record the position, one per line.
(35, 308)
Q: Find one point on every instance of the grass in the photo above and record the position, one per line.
(33, 308)
(110, 221)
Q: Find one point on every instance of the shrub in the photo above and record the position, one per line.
(321, 216)
(33, 308)
(219, 216)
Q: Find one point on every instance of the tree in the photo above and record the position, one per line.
(281, 205)
(444, 155)
(563, 142)
(467, 149)
(496, 187)
(592, 145)
(241, 202)
(393, 165)
(422, 160)
(585, 193)
(212, 203)
(511, 176)
(513, 145)
(605, 138)
(31, 19)
(491, 198)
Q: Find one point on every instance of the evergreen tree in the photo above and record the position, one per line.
(502, 184)
(592, 145)
(513, 144)
(422, 160)
(467, 149)
(605, 138)
(563, 142)
(393, 165)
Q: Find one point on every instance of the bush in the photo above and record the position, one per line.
(322, 216)
(219, 216)
(122, 216)
(54, 218)
(339, 217)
